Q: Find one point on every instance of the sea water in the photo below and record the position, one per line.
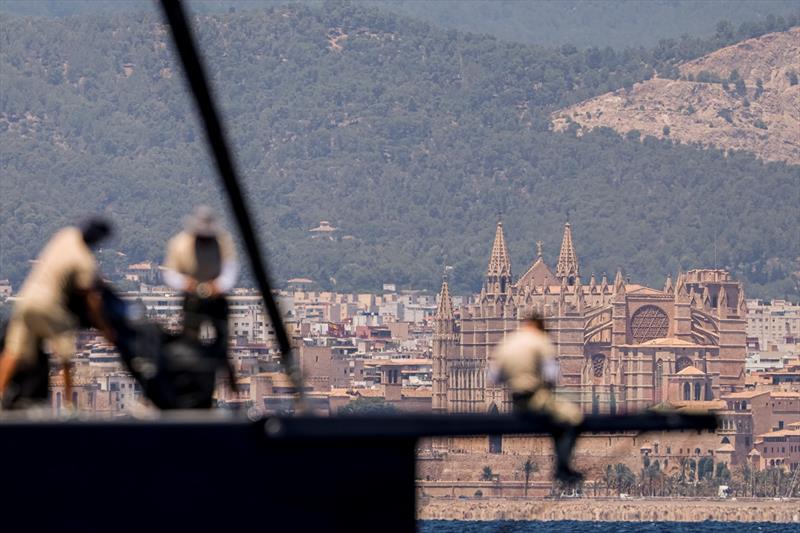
(565, 526)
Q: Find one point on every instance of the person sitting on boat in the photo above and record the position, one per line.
(526, 362)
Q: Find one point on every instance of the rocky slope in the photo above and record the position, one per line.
(742, 97)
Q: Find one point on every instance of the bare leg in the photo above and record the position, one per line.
(8, 364)
(68, 385)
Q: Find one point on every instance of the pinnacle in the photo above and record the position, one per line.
(499, 262)
(444, 311)
(567, 258)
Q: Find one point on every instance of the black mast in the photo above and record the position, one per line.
(195, 73)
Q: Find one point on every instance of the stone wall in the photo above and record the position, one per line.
(466, 456)
(681, 510)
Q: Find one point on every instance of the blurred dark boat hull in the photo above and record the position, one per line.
(208, 472)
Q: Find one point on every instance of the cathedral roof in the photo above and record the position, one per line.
(538, 275)
(499, 262)
(672, 342)
(641, 290)
(691, 371)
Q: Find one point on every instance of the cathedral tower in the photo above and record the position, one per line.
(567, 267)
(445, 345)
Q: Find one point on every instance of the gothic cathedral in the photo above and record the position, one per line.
(621, 347)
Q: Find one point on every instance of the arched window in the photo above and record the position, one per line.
(682, 363)
(697, 390)
(649, 323)
(598, 365)
(495, 441)
(687, 392)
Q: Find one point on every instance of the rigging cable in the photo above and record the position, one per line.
(196, 76)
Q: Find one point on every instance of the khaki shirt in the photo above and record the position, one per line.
(182, 256)
(522, 359)
(66, 263)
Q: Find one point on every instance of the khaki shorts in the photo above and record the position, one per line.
(563, 411)
(33, 323)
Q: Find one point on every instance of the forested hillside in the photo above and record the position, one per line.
(409, 139)
(582, 23)
(587, 23)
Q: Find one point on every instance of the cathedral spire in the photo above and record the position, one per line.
(706, 299)
(668, 288)
(741, 303)
(722, 303)
(444, 346)
(619, 284)
(680, 288)
(498, 275)
(444, 311)
(567, 266)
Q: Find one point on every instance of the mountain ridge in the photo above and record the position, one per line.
(409, 139)
(743, 97)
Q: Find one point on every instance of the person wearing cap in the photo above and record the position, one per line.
(64, 273)
(526, 362)
(201, 263)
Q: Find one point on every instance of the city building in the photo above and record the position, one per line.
(773, 325)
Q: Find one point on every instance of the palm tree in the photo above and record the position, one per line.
(529, 467)
(625, 478)
(608, 478)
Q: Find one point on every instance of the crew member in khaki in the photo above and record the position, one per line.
(201, 259)
(201, 262)
(526, 362)
(65, 270)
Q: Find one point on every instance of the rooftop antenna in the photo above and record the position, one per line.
(196, 76)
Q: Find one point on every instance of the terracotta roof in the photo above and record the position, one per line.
(691, 371)
(398, 362)
(784, 394)
(781, 433)
(754, 453)
(744, 395)
(369, 393)
(700, 405)
(416, 393)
